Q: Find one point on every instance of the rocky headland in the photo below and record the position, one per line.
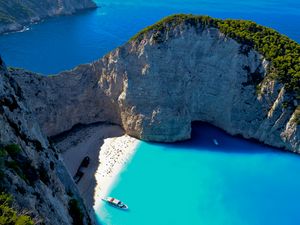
(183, 69)
(15, 14)
(161, 81)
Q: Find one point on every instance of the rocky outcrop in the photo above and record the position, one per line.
(15, 14)
(34, 175)
(155, 86)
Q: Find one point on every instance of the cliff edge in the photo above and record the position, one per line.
(15, 14)
(30, 168)
(183, 69)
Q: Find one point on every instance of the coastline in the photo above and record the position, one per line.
(109, 150)
(23, 26)
(114, 155)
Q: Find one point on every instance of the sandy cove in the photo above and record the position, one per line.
(109, 150)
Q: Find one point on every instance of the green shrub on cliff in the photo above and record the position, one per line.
(282, 52)
(176, 20)
(11, 158)
(13, 149)
(297, 116)
(8, 215)
(75, 212)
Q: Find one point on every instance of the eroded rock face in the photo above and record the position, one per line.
(73, 97)
(16, 14)
(156, 86)
(37, 179)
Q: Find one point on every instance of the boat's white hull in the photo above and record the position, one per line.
(115, 203)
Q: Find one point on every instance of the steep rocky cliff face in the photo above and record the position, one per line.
(15, 14)
(33, 175)
(156, 85)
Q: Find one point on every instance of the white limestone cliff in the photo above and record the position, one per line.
(157, 85)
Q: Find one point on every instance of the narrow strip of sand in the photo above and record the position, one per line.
(114, 155)
(108, 148)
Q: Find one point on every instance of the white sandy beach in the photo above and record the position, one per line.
(114, 155)
(109, 151)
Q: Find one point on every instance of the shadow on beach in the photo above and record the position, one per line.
(82, 141)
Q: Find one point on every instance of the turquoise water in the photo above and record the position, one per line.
(237, 183)
(64, 42)
(198, 183)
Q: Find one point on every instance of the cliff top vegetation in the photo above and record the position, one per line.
(282, 52)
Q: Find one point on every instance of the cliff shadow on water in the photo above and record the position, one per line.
(203, 139)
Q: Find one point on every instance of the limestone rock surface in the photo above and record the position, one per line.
(156, 86)
(35, 177)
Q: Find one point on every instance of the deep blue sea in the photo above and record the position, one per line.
(64, 42)
(190, 183)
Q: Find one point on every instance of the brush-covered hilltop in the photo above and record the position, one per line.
(234, 74)
(15, 14)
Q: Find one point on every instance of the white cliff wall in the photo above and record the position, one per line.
(155, 87)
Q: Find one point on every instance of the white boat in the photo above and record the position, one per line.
(115, 202)
(216, 142)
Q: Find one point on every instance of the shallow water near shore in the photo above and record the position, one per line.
(195, 182)
(238, 182)
(64, 42)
